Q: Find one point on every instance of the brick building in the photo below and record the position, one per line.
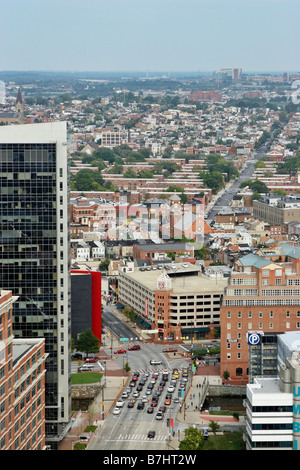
(22, 385)
(262, 296)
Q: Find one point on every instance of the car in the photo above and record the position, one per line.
(168, 401)
(171, 389)
(159, 415)
(130, 404)
(151, 434)
(162, 409)
(116, 411)
(154, 403)
(139, 388)
(77, 355)
(91, 360)
(176, 400)
(140, 405)
(132, 383)
(85, 368)
(134, 378)
(120, 403)
(120, 351)
(170, 350)
(134, 347)
(136, 394)
(148, 391)
(155, 362)
(144, 399)
(125, 395)
(150, 410)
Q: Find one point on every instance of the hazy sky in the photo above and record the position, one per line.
(149, 35)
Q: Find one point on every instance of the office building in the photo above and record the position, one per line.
(35, 254)
(262, 296)
(22, 385)
(177, 302)
(273, 403)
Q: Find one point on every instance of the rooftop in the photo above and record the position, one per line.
(184, 280)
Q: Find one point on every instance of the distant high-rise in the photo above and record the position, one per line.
(34, 251)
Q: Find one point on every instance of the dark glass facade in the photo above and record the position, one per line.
(28, 251)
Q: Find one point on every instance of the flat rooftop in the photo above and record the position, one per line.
(188, 280)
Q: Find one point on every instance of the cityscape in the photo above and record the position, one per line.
(150, 233)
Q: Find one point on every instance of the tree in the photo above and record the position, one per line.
(226, 375)
(214, 426)
(87, 342)
(193, 439)
(213, 180)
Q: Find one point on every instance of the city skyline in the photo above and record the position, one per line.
(161, 35)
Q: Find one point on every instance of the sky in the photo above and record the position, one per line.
(149, 35)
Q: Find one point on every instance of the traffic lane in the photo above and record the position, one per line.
(117, 326)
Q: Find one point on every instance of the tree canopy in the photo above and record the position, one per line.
(87, 342)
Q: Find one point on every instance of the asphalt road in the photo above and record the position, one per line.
(129, 429)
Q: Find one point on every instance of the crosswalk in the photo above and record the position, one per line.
(156, 369)
(140, 437)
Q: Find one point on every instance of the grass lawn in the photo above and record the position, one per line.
(227, 441)
(86, 378)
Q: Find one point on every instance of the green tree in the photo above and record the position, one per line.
(214, 426)
(193, 439)
(87, 342)
(213, 180)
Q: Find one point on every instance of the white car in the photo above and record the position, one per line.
(155, 362)
(116, 411)
(136, 394)
(144, 399)
(125, 395)
(171, 389)
(120, 403)
(159, 415)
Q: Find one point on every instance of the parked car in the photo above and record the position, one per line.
(77, 355)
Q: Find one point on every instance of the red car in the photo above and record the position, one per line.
(120, 351)
(134, 347)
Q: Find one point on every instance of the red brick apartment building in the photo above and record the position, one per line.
(22, 385)
(210, 95)
(262, 296)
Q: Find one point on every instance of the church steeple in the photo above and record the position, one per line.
(20, 105)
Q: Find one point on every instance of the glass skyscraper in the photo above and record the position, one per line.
(34, 252)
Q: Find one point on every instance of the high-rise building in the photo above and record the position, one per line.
(34, 252)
